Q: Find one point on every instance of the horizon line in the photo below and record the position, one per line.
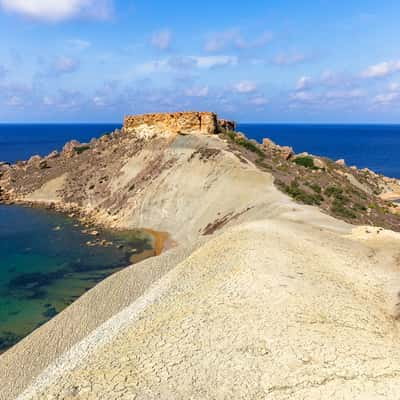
(238, 123)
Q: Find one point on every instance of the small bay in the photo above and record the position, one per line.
(48, 260)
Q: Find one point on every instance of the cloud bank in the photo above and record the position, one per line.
(59, 10)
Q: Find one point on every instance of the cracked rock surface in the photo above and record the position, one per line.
(274, 309)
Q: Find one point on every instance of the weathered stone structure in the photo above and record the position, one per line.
(226, 125)
(148, 125)
(165, 124)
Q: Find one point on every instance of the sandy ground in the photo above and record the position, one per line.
(282, 302)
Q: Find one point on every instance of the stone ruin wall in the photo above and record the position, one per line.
(175, 123)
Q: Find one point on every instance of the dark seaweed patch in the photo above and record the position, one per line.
(34, 280)
(50, 313)
(8, 339)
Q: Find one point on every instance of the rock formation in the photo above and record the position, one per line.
(171, 123)
(260, 296)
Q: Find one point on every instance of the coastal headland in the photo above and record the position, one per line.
(279, 277)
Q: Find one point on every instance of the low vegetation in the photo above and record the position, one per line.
(81, 149)
(247, 144)
(328, 187)
(306, 161)
(294, 190)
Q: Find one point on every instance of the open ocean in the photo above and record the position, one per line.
(372, 146)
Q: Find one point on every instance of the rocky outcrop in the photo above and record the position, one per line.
(284, 152)
(226, 125)
(165, 124)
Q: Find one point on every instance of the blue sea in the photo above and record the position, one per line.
(45, 263)
(372, 146)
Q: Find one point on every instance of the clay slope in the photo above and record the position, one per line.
(275, 309)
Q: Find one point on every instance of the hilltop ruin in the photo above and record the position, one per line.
(205, 123)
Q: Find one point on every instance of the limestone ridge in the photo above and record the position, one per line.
(165, 124)
(261, 296)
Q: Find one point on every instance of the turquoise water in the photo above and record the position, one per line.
(46, 264)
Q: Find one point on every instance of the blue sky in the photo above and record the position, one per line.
(273, 61)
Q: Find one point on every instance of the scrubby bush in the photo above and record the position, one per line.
(247, 144)
(333, 191)
(81, 149)
(261, 163)
(339, 209)
(306, 161)
(296, 192)
(360, 207)
(231, 135)
(315, 187)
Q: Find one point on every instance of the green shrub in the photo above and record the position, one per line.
(357, 193)
(81, 149)
(360, 207)
(314, 186)
(337, 193)
(339, 209)
(250, 146)
(306, 161)
(261, 163)
(231, 135)
(297, 193)
(333, 191)
(247, 144)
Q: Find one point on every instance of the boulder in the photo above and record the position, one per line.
(43, 164)
(268, 143)
(34, 160)
(341, 162)
(226, 125)
(69, 147)
(303, 154)
(286, 152)
(319, 163)
(53, 154)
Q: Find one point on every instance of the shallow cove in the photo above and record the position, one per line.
(46, 264)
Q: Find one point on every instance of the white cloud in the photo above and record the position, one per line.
(394, 87)
(48, 101)
(58, 10)
(393, 95)
(289, 59)
(201, 91)
(344, 94)
(162, 39)
(14, 101)
(233, 38)
(245, 87)
(259, 101)
(381, 70)
(79, 44)
(3, 71)
(303, 83)
(185, 63)
(215, 61)
(99, 101)
(302, 96)
(65, 65)
(386, 98)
